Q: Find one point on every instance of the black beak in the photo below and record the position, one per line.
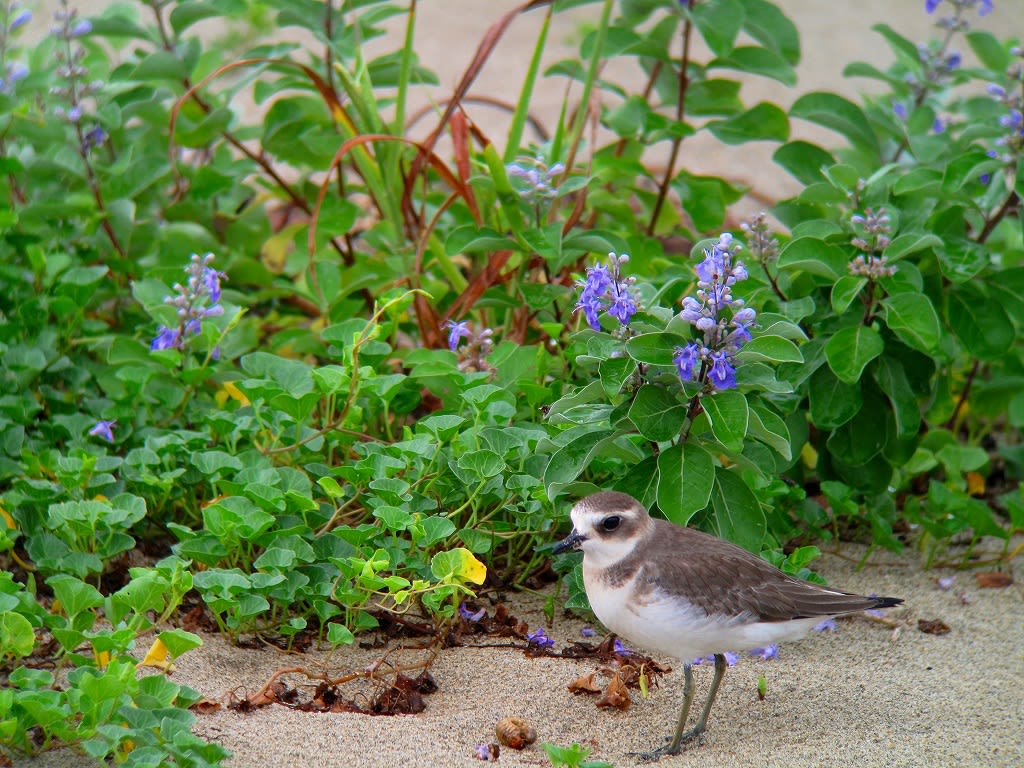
(572, 541)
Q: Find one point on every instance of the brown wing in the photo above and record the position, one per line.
(722, 578)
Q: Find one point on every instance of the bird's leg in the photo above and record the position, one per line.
(698, 729)
(673, 747)
(681, 738)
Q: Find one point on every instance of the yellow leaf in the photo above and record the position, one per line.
(470, 569)
(158, 656)
(102, 658)
(975, 484)
(809, 455)
(7, 518)
(235, 392)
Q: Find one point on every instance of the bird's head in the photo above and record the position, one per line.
(606, 527)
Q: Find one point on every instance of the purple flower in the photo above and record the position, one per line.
(623, 307)
(104, 429)
(620, 649)
(931, 5)
(21, 18)
(482, 752)
(945, 583)
(994, 89)
(730, 659)
(456, 331)
(826, 625)
(211, 279)
(767, 653)
(94, 137)
(539, 639)
(686, 360)
(605, 288)
(874, 612)
(986, 8)
(899, 110)
(166, 338)
(722, 374)
(465, 613)
(587, 632)
(80, 28)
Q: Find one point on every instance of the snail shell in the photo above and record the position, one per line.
(514, 732)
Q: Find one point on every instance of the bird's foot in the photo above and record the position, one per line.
(692, 738)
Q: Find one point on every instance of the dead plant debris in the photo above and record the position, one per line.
(993, 579)
(933, 626)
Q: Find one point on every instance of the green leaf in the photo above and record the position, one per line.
(803, 161)
(763, 122)
(686, 473)
(852, 348)
(771, 349)
(75, 595)
(772, 28)
(814, 256)
(470, 238)
(657, 413)
(160, 65)
(838, 114)
(832, 403)
(752, 60)
(728, 413)
(17, 638)
(179, 641)
(566, 464)
(912, 318)
(892, 380)
(655, 348)
(845, 290)
(339, 634)
(904, 245)
(614, 373)
(482, 463)
(981, 324)
(990, 52)
(738, 516)
(719, 23)
(768, 427)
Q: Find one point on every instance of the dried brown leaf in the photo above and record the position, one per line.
(615, 695)
(585, 684)
(993, 579)
(933, 626)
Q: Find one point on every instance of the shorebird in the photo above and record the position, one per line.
(683, 593)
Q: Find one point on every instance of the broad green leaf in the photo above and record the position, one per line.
(719, 23)
(728, 413)
(75, 595)
(657, 413)
(892, 380)
(912, 317)
(815, 256)
(17, 638)
(763, 122)
(482, 463)
(768, 427)
(852, 348)
(655, 348)
(904, 245)
(772, 28)
(832, 403)
(614, 372)
(753, 60)
(738, 516)
(566, 464)
(458, 565)
(803, 161)
(840, 115)
(845, 290)
(179, 641)
(686, 473)
(771, 349)
(982, 325)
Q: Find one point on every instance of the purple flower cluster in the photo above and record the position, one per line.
(539, 639)
(605, 289)
(70, 66)
(13, 18)
(1011, 143)
(722, 319)
(534, 180)
(194, 301)
(730, 659)
(984, 6)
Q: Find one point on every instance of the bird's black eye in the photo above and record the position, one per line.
(611, 523)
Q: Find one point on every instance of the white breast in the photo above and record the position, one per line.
(669, 625)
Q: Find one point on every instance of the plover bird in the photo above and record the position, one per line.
(682, 593)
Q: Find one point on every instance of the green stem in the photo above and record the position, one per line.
(519, 117)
